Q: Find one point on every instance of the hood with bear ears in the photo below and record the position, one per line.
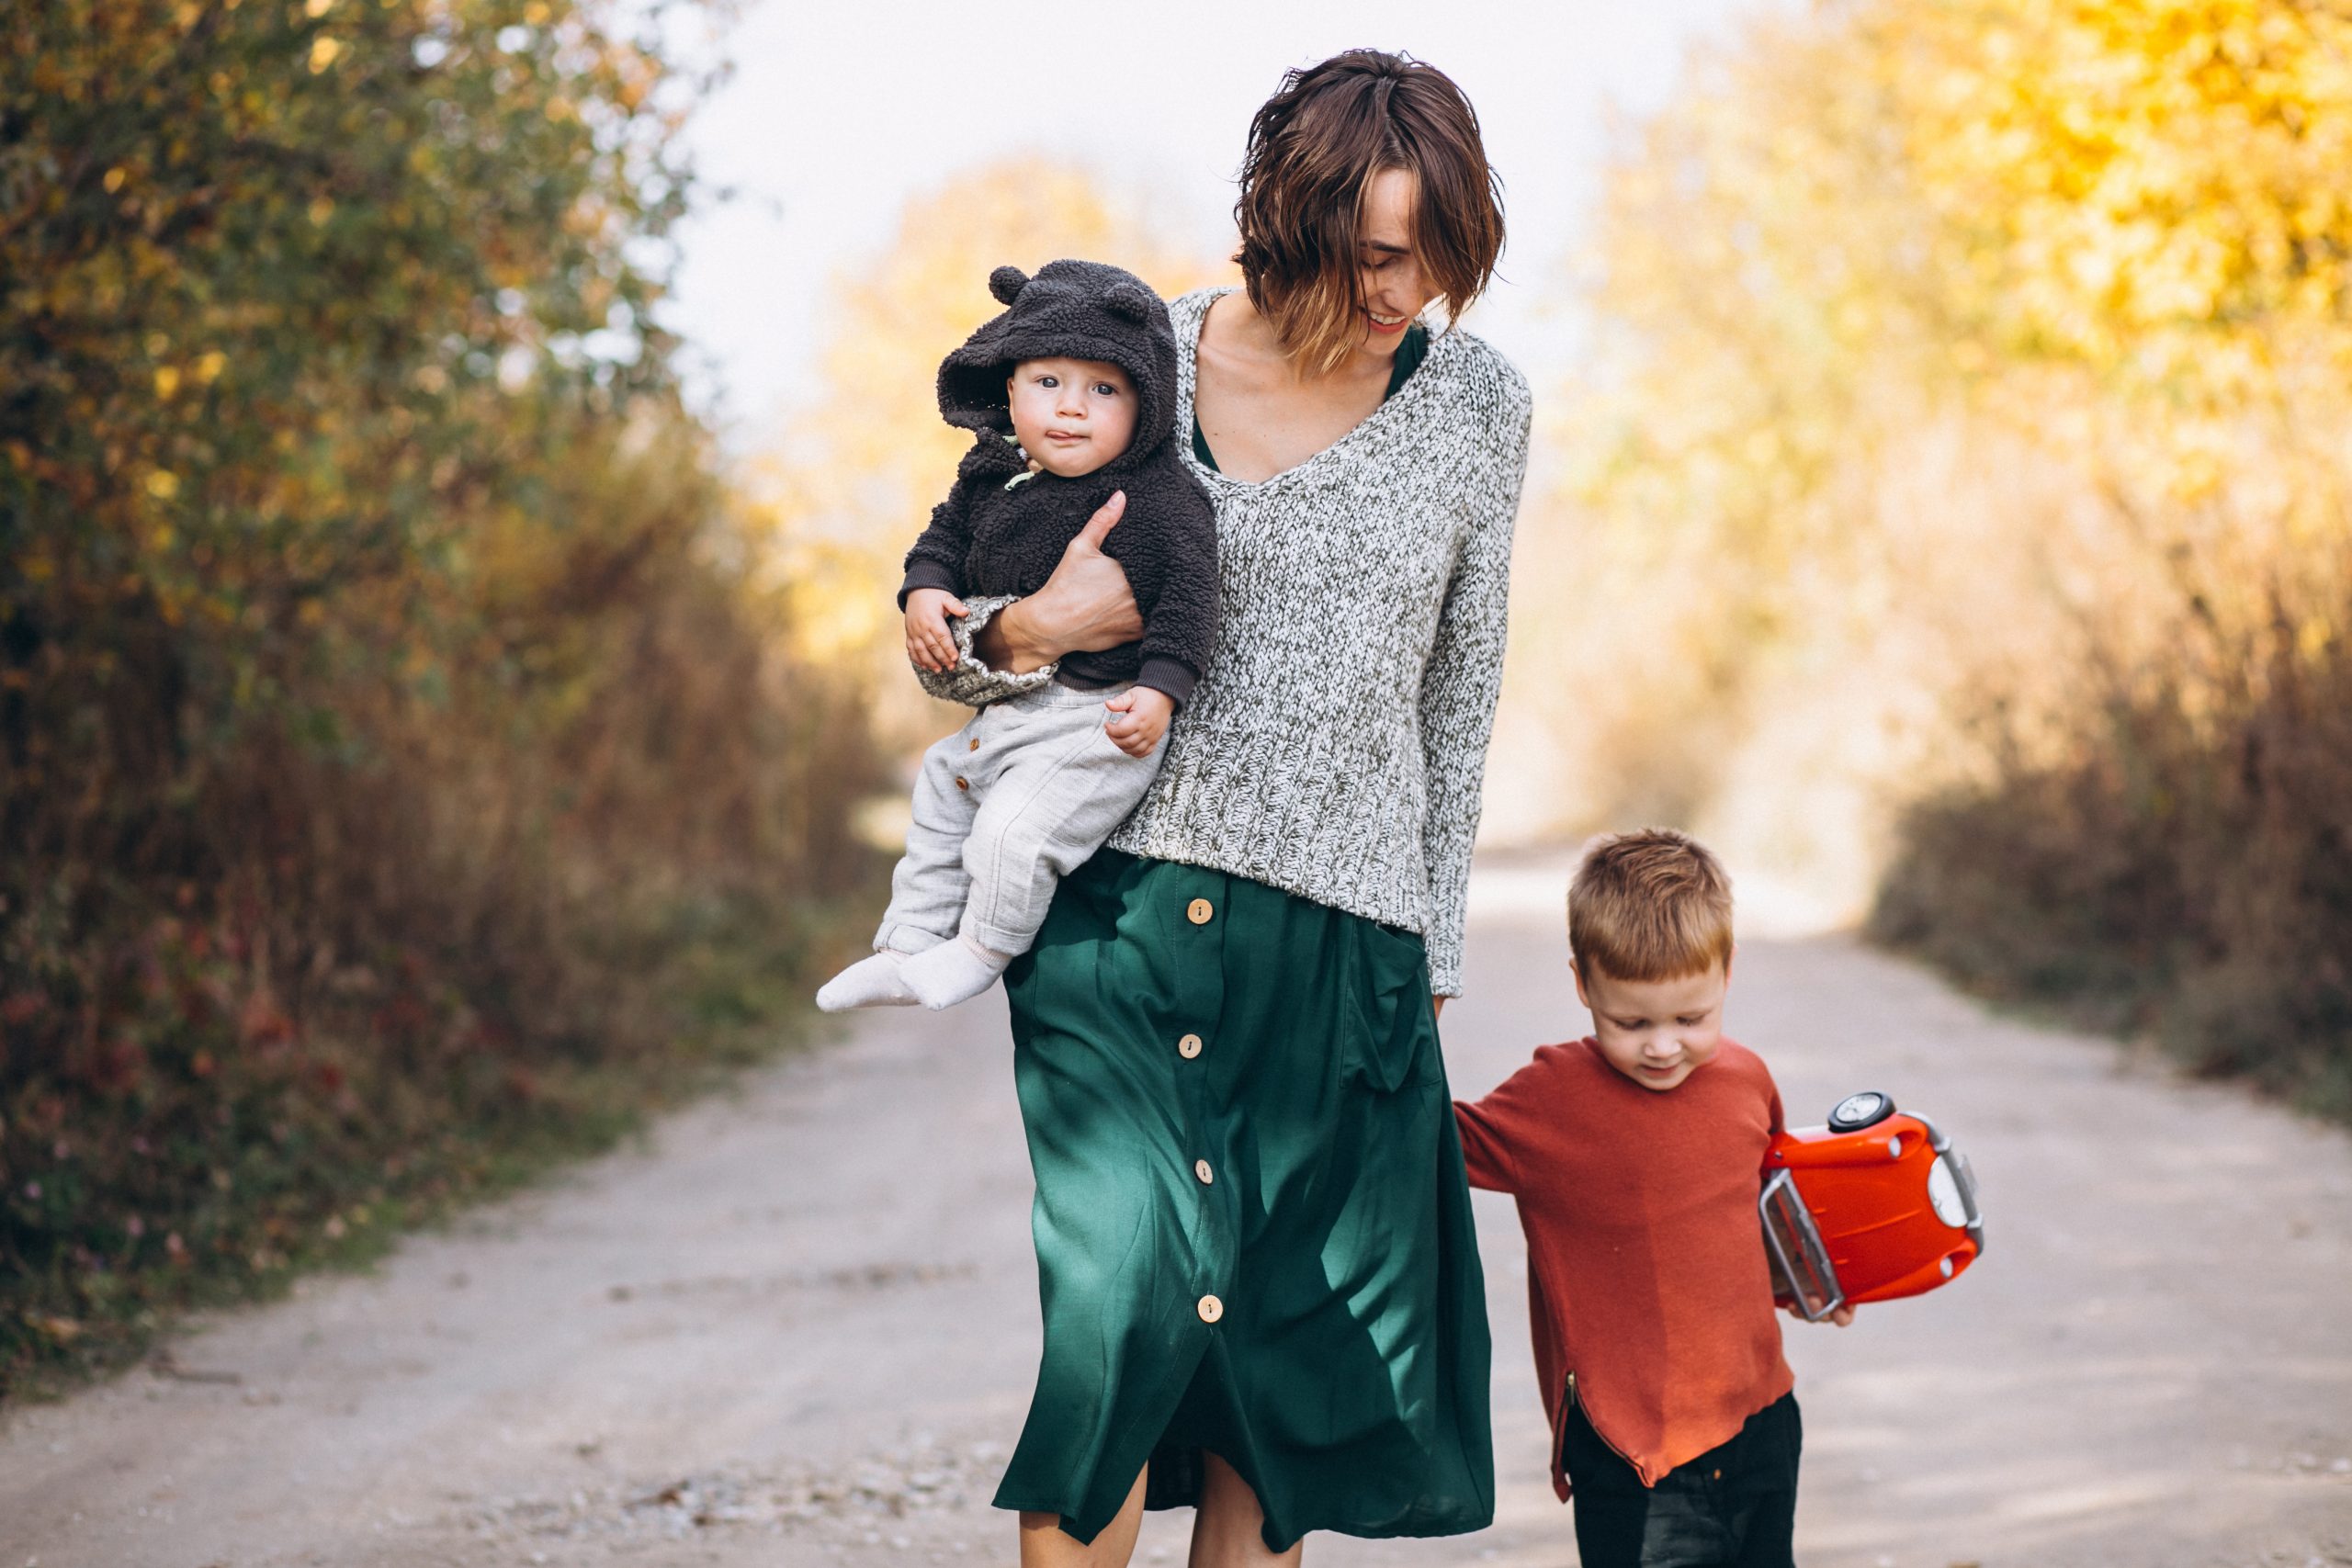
(1072, 310)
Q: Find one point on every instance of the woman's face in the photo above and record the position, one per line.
(1394, 289)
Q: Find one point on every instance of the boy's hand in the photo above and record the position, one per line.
(1138, 718)
(929, 645)
(1843, 1317)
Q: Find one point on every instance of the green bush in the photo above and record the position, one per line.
(398, 786)
(2186, 870)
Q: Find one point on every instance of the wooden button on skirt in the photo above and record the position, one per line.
(1315, 1313)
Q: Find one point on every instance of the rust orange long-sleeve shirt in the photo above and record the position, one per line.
(1646, 1276)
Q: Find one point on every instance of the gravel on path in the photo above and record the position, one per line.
(799, 1326)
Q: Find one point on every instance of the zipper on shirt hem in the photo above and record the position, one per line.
(1571, 1401)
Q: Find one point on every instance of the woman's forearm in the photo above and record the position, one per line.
(1085, 607)
(1010, 643)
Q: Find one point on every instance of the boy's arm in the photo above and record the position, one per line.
(1485, 1156)
(937, 558)
(1172, 570)
(1496, 1130)
(937, 561)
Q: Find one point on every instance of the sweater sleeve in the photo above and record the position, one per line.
(1462, 680)
(1494, 1129)
(968, 681)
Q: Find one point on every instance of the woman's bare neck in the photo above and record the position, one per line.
(1249, 340)
(1260, 415)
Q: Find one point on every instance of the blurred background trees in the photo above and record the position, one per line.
(397, 770)
(1965, 468)
(840, 495)
(420, 748)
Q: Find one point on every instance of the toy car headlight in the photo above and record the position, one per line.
(1943, 1195)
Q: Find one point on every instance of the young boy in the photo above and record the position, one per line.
(1637, 1155)
(1071, 395)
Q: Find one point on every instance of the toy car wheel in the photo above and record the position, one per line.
(1857, 1111)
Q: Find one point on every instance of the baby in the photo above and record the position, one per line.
(1071, 392)
(1636, 1155)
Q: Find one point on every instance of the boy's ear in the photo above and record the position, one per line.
(1576, 971)
(1006, 283)
(1130, 302)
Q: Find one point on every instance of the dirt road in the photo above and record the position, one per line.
(799, 1327)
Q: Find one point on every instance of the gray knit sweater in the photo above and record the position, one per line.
(1335, 745)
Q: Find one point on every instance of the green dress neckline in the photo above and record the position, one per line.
(1410, 352)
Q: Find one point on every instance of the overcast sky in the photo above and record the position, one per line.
(839, 112)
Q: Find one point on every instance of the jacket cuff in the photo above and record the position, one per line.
(1173, 676)
(924, 572)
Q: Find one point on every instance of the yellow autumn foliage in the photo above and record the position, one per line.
(1961, 366)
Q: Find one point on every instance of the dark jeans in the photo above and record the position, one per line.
(1733, 1506)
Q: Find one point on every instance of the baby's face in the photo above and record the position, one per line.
(1071, 415)
(1656, 1032)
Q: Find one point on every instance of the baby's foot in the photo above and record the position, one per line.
(873, 982)
(953, 972)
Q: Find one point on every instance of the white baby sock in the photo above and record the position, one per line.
(953, 972)
(877, 981)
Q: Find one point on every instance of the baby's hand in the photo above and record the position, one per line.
(929, 642)
(1139, 717)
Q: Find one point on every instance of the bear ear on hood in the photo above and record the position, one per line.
(1131, 301)
(1006, 283)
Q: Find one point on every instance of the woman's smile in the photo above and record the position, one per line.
(1381, 323)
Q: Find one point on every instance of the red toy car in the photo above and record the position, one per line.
(1875, 1205)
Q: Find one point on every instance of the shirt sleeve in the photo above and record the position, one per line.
(1495, 1129)
(1460, 684)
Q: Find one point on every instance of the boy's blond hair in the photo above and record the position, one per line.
(1651, 904)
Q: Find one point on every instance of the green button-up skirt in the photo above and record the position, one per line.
(1253, 1232)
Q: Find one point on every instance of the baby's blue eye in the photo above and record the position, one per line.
(1105, 389)
(1048, 381)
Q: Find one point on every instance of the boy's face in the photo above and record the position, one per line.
(1656, 1032)
(1071, 415)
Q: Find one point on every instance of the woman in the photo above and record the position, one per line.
(1259, 1282)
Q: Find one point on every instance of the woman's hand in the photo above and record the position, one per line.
(1085, 607)
(929, 645)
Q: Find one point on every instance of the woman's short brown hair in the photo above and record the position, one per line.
(1314, 148)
